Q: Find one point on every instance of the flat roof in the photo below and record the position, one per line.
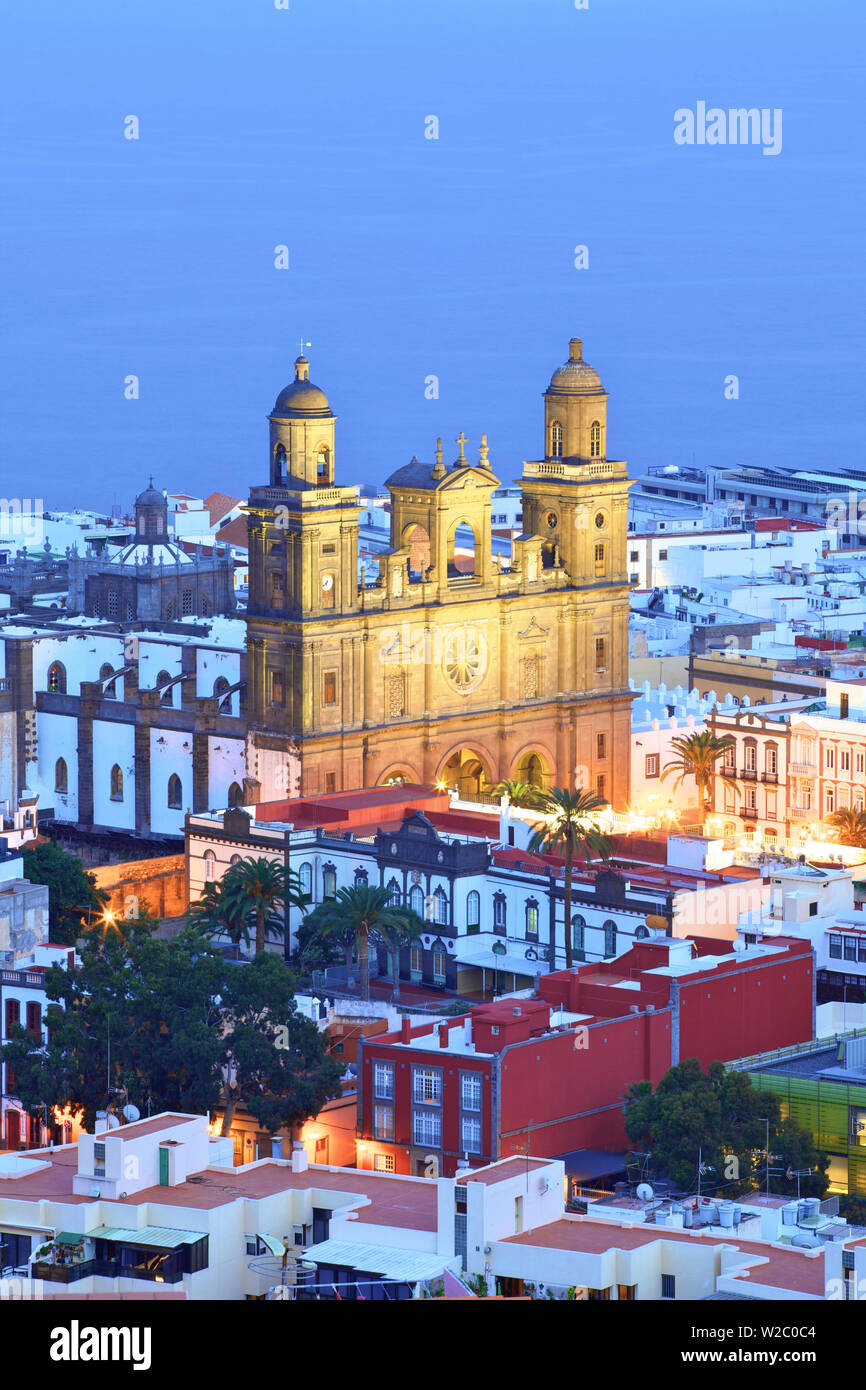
(501, 1172)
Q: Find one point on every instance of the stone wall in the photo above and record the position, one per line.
(153, 885)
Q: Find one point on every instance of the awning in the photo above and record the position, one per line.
(390, 1262)
(493, 960)
(159, 1237)
(274, 1244)
(584, 1164)
(69, 1238)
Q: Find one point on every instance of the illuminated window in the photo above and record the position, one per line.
(384, 1163)
(532, 918)
(57, 678)
(470, 1090)
(439, 965)
(427, 1085)
(383, 1122)
(209, 865)
(383, 1080)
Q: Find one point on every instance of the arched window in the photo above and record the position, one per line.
(61, 777)
(116, 783)
(595, 440)
(305, 874)
(329, 881)
(209, 865)
(279, 462)
(531, 917)
(110, 690)
(499, 911)
(57, 678)
(235, 859)
(416, 900)
(394, 890)
(323, 464)
(175, 792)
(473, 910)
(556, 440)
(361, 877)
(610, 938)
(220, 686)
(440, 904)
(166, 696)
(578, 927)
(640, 933)
(236, 796)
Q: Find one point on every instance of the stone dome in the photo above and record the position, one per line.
(301, 398)
(575, 377)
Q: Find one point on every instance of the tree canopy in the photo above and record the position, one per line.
(720, 1116)
(72, 891)
(167, 1022)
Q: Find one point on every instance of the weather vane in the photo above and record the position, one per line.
(304, 344)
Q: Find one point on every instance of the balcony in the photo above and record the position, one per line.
(66, 1273)
(803, 769)
(802, 813)
(749, 774)
(728, 772)
(749, 813)
(769, 776)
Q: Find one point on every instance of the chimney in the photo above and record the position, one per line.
(443, 1034)
(405, 1030)
(276, 1148)
(517, 1012)
(300, 1163)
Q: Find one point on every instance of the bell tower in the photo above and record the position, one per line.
(303, 570)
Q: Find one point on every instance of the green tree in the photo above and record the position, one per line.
(252, 894)
(696, 756)
(572, 832)
(524, 794)
(719, 1115)
(356, 914)
(221, 910)
(72, 892)
(173, 1024)
(263, 883)
(406, 928)
(275, 1064)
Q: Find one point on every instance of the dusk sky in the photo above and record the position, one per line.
(412, 257)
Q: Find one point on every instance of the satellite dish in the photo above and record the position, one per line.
(644, 1192)
(131, 1113)
(112, 1121)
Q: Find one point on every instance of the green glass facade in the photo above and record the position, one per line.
(830, 1111)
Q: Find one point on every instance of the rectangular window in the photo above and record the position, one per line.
(599, 559)
(427, 1085)
(600, 654)
(858, 762)
(633, 556)
(416, 962)
(829, 759)
(186, 602)
(651, 767)
(329, 688)
(13, 1015)
(600, 785)
(470, 1136)
(330, 782)
(663, 554)
(836, 947)
(383, 1080)
(599, 746)
(439, 962)
(383, 1122)
(470, 1090)
(112, 603)
(844, 760)
(384, 1163)
(277, 582)
(427, 1128)
(850, 948)
(278, 692)
(771, 805)
(34, 1018)
(669, 1286)
(99, 1160)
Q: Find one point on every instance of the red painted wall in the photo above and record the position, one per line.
(751, 1008)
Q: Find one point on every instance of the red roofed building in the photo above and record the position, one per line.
(547, 1075)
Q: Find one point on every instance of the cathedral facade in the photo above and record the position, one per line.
(455, 666)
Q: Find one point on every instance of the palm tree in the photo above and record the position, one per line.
(402, 933)
(221, 911)
(360, 912)
(849, 826)
(571, 830)
(264, 886)
(524, 794)
(696, 756)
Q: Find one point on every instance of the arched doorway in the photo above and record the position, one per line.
(532, 769)
(466, 772)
